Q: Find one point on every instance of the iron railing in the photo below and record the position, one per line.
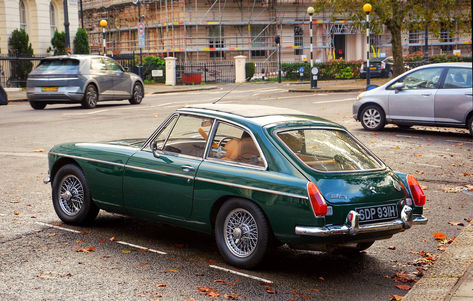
(14, 70)
(205, 72)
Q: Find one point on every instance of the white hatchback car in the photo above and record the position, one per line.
(433, 95)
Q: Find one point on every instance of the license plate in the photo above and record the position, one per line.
(377, 213)
(49, 89)
(372, 68)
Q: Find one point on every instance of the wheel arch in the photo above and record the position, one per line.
(363, 106)
(95, 84)
(60, 163)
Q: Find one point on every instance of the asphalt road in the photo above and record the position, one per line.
(41, 259)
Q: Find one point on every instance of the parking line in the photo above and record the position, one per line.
(424, 164)
(140, 247)
(35, 155)
(406, 136)
(1, 214)
(240, 274)
(57, 227)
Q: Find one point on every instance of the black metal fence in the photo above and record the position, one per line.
(127, 61)
(205, 72)
(14, 70)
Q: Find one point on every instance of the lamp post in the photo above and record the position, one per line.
(103, 23)
(313, 82)
(367, 9)
(66, 26)
(277, 39)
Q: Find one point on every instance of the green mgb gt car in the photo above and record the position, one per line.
(255, 176)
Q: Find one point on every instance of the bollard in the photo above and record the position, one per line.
(262, 77)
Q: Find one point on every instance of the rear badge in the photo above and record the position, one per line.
(373, 190)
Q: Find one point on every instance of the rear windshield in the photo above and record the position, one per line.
(59, 66)
(328, 150)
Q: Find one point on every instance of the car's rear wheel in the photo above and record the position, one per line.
(373, 118)
(90, 97)
(137, 96)
(470, 125)
(71, 196)
(37, 105)
(242, 233)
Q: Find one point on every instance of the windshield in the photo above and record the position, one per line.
(59, 66)
(328, 150)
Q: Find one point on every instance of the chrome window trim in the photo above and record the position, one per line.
(277, 131)
(159, 172)
(87, 159)
(293, 195)
(232, 163)
(157, 131)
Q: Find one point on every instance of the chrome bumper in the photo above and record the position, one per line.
(352, 225)
(46, 180)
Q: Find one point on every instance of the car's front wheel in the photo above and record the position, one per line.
(37, 105)
(71, 196)
(138, 93)
(242, 233)
(91, 97)
(373, 118)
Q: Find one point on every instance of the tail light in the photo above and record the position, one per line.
(417, 193)
(383, 65)
(317, 200)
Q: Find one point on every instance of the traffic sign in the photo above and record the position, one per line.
(141, 35)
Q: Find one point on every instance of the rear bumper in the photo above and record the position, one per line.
(352, 226)
(56, 97)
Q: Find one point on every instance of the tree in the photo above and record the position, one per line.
(59, 43)
(19, 46)
(81, 42)
(399, 15)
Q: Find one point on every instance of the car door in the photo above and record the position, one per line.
(121, 79)
(415, 102)
(453, 100)
(99, 72)
(162, 183)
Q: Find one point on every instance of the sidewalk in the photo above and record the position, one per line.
(349, 85)
(451, 277)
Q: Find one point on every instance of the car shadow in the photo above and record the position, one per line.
(78, 107)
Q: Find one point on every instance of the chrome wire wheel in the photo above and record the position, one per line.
(371, 118)
(71, 195)
(241, 233)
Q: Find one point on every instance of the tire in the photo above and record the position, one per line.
(231, 234)
(470, 125)
(37, 105)
(91, 97)
(372, 118)
(404, 126)
(138, 93)
(71, 196)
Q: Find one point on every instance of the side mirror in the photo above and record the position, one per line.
(398, 86)
(154, 149)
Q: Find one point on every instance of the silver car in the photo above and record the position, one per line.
(83, 79)
(433, 95)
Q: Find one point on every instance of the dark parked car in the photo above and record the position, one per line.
(255, 176)
(83, 79)
(379, 67)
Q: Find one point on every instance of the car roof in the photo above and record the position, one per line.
(73, 56)
(450, 64)
(259, 115)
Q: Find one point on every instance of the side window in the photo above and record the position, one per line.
(422, 79)
(188, 136)
(163, 135)
(97, 64)
(457, 78)
(112, 65)
(234, 144)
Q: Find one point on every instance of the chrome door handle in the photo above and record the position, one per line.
(187, 168)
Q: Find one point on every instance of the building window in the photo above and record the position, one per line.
(298, 40)
(216, 41)
(258, 40)
(22, 15)
(52, 18)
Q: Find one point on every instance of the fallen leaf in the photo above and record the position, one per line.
(270, 290)
(219, 281)
(173, 271)
(210, 262)
(439, 236)
(442, 248)
(398, 147)
(265, 283)
(16, 213)
(396, 298)
(112, 238)
(392, 247)
(102, 241)
(51, 234)
(403, 287)
(315, 289)
(231, 296)
(405, 277)
(126, 251)
(161, 285)
(456, 224)
(418, 155)
(321, 278)
(84, 232)
(15, 201)
(40, 150)
(213, 294)
(468, 220)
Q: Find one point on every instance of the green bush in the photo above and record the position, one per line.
(19, 46)
(250, 70)
(441, 58)
(335, 69)
(58, 43)
(81, 42)
(152, 63)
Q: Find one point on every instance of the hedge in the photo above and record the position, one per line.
(440, 58)
(334, 69)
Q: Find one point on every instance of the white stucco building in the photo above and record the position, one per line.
(40, 18)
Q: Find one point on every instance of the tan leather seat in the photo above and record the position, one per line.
(232, 149)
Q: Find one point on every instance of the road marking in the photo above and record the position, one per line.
(35, 155)
(140, 247)
(240, 274)
(459, 141)
(336, 100)
(87, 113)
(57, 227)
(1, 214)
(424, 164)
(290, 97)
(406, 136)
